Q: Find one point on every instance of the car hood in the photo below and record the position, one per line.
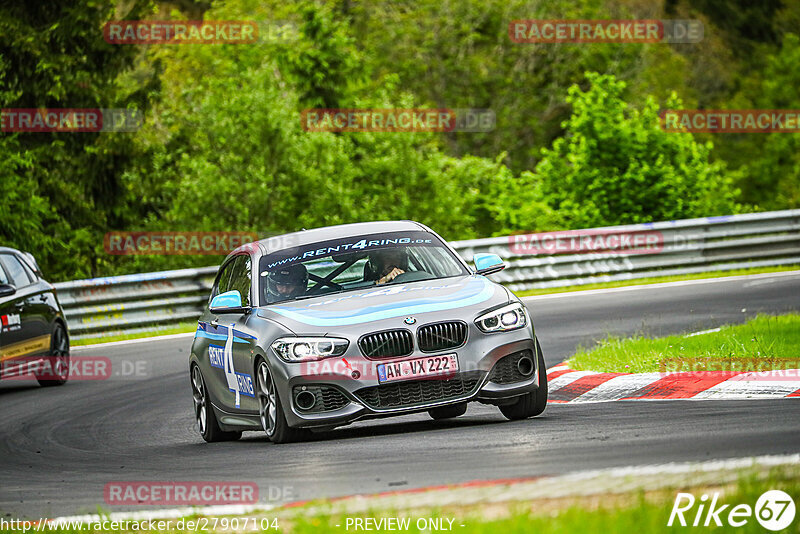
(455, 297)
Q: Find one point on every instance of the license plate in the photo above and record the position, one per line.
(420, 367)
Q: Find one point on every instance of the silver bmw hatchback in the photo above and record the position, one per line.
(320, 328)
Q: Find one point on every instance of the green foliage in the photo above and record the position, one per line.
(22, 209)
(458, 54)
(325, 63)
(223, 147)
(228, 152)
(616, 165)
(771, 180)
(60, 189)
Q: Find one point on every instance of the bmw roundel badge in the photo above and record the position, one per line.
(409, 320)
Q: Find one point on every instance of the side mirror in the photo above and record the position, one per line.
(488, 263)
(7, 290)
(228, 302)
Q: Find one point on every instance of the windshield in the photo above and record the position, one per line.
(352, 263)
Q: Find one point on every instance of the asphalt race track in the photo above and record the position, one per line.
(60, 446)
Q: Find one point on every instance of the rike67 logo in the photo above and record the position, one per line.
(774, 510)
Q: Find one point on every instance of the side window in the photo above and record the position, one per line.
(16, 272)
(3, 277)
(240, 278)
(223, 281)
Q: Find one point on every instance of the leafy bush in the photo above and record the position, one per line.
(616, 165)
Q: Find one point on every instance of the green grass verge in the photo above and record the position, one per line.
(179, 329)
(626, 513)
(770, 341)
(656, 280)
(609, 512)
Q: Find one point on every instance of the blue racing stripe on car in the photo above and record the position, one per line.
(387, 311)
(220, 333)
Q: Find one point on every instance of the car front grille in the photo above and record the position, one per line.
(441, 336)
(505, 371)
(417, 392)
(328, 398)
(387, 344)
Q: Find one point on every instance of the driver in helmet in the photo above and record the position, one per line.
(388, 264)
(287, 282)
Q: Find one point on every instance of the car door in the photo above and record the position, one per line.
(230, 342)
(40, 303)
(22, 334)
(213, 338)
(240, 372)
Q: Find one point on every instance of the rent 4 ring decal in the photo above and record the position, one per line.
(245, 384)
(222, 358)
(216, 356)
(339, 246)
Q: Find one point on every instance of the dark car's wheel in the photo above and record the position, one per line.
(204, 414)
(57, 366)
(270, 410)
(448, 412)
(534, 402)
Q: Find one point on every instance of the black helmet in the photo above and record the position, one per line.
(294, 276)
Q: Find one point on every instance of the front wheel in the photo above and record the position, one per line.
(533, 403)
(270, 410)
(204, 413)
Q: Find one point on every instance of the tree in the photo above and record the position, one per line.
(52, 55)
(616, 165)
(771, 170)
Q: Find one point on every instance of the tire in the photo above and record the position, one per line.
(533, 403)
(448, 412)
(57, 359)
(204, 414)
(270, 409)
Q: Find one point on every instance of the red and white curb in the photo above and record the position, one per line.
(569, 385)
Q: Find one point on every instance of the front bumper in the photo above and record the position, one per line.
(486, 373)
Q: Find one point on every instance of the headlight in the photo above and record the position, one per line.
(503, 319)
(304, 349)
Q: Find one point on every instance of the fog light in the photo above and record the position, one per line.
(305, 400)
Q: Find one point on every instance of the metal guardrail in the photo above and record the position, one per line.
(139, 302)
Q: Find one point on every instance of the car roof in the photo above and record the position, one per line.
(26, 258)
(316, 235)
